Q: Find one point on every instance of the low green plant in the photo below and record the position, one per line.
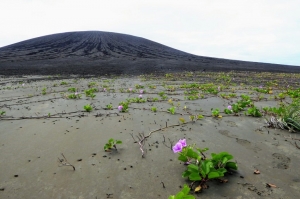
(169, 75)
(111, 144)
(109, 106)
(152, 87)
(2, 112)
(88, 108)
(183, 194)
(155, 99)
(92, 95)
(215, 112)
(192, 97)
(192, 117)
(182, 120)
(228, 111)
(254, 111)
(170, 88)
(63, 83)
(164, 97)
(90, 92)
(92, 84)
(281, 96)
(201, 168)
(170, 101)
(172, 110)
(199, 117)
(125, 106)
(74, 96)
(72, 89)
(44, 91)
(161, 93)
(138, 86)
(154, 109)
(230, 95)
(290, 116)
(136, 100)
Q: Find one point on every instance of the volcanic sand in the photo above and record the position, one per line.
(37, 128)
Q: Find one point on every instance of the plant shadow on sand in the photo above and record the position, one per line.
(42, 117)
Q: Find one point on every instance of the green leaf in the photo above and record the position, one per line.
(186, 174)
(185, 189)
(191, 153)
(229, 157)
(224, 160)
(195, 177)
(182, 158)
(171, 197)
(231, 165)
(118, 142)
(193, 168)
(213, 155)
(203, 150)
(111, 140)
(221, 170)
(206, 165)
(212, 175)
(179, 195)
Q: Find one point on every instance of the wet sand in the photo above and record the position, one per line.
(37, 128)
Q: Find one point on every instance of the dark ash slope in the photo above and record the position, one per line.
(95, 52)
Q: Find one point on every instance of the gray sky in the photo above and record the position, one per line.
(250, 30)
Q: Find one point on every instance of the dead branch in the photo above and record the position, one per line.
(64, 162)
(297, 145)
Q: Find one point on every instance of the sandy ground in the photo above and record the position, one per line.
(31, 142)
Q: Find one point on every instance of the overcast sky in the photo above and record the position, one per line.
(250, 30)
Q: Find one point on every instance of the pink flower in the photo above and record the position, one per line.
(23, 84)
(141, 91)
(177, 148)
(140, 96)
(120, 108)
(229, 107)
(104, 89)
(130, 89)
(76, 93)
(182, 142)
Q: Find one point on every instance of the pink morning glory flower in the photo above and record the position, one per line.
(130, 89)
(76, 93)
(141, 91)
(120, 108)
(260, 86)
(140, 96)
(182, 142)
(177, 148)
(23, 84)
(229, 107)
(104, 89)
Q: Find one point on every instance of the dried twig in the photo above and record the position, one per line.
(64, 162)
(171, 143)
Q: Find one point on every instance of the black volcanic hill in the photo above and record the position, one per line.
(96, 52)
